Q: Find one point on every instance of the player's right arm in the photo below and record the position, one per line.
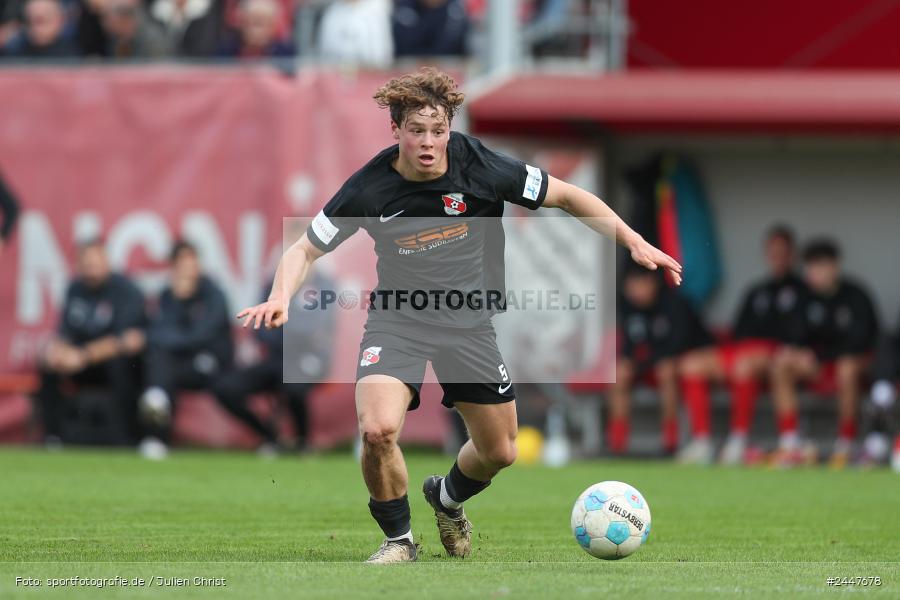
(292, 271)
(336, 222)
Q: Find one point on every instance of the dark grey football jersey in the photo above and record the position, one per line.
(437, 237)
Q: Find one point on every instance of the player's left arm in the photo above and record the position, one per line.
(596, 214)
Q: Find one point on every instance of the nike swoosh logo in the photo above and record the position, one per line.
(502, 389)
(385, 219)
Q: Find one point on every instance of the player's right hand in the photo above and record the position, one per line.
(272, 313)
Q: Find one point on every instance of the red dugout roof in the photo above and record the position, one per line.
(764, 34)
(762, 102)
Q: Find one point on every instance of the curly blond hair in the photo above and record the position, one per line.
(415, 91)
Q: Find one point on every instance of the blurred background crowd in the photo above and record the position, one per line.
(141, 207)
(354, 32)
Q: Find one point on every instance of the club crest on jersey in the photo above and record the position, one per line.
(370, 356)
(453, 204)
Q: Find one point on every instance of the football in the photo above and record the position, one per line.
(611, 520)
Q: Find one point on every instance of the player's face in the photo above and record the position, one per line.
(822, 275)
(641, 290)
(779, 255)
(93, 266)
(423, 138)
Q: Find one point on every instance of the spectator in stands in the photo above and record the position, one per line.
(188, 345)
(131, 33)
(11, 17)
(192, 26)
(90, 35)
(9, 209)
(44, 34)
(770, 315)
(882, 408)
(257, 35)
(840, 330)
(98, 343)
(430, 28)
(305, 352)
(284, 24)
(656, 326)
(356, 32)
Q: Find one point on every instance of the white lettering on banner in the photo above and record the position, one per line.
(142, 228)
(42, 265)
(324, 229)
(532, 183)
(86, 226)
(241, 284)
(44, 273)
(24, 346)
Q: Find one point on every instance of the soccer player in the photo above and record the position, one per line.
(840, 332)
(447, 180)
(656, 326)
(770, 315)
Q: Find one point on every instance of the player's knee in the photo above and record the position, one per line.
(377, 437)
(502, 455)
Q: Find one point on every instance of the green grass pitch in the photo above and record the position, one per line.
(299, 527)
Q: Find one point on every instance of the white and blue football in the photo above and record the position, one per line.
(611, 520)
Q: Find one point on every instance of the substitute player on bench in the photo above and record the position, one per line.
(841, 326)
(657, 326)
(444, 179)
(770, 316)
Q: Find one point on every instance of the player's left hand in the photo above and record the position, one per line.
(650, 257)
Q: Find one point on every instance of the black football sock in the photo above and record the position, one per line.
(392, 516)
(456, 488)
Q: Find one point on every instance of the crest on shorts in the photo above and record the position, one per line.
(370, 356)
(454, 204)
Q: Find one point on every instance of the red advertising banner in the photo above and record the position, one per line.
(145, 156)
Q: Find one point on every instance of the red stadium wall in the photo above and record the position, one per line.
(144, 156)
(815, 34)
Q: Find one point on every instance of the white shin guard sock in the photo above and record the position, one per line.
(406, 536)
(446, 500)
